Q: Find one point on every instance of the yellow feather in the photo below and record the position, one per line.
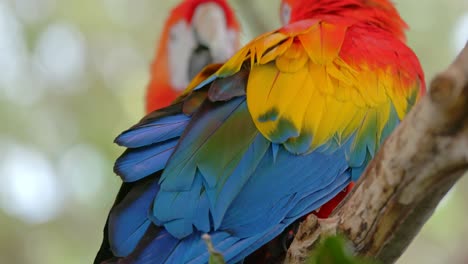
(293, 59)
(270, 96)
(289, 65)
(323, 42)
(201, 76)
(399, 104)
(234, 64)
(301, 93)
(295, 111)
(356, 116)
(260, 77)
(326, 128)
(347, 121)
(383, 116)
(276, 51)
(267, 42)
(295, 51)
(314, 114)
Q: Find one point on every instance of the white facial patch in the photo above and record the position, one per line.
(181, 45)
(209, 21)
(285, 13)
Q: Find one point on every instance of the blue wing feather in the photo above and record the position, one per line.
(158, 250)
(223, 196)
(265, 188)
(136, 164)
(279, 186)
(180, 171)
(195, 210)
(159, 130)
(222, 176)
(128, 220)
(230, 181)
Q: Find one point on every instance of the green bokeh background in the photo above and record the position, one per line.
(73, 75)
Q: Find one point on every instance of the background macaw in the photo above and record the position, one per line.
(273, 134)
(196, 33)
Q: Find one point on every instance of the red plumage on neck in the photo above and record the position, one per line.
(188, 9)
(378, 13)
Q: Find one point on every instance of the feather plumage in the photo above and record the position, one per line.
(273, 134)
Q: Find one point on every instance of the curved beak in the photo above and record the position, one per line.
(200, 57)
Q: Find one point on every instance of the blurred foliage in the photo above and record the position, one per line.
(73, 75)
(216, 258)
(332, 250)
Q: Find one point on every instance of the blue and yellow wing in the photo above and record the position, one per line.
(255, 144)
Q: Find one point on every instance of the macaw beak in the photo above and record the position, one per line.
(216, 42)
(200, 57)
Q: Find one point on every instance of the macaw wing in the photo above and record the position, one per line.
(150, 143)
(316, 85)
(220, 164)
(275, 132)
(226, 179)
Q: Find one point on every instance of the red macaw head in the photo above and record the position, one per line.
(380, 12)
(196, 33)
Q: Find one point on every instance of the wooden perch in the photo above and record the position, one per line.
(416, 166)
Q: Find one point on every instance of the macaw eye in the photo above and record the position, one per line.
(285, 13)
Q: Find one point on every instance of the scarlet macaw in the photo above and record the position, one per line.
(196, 33)
(268, 137)
(285, 14)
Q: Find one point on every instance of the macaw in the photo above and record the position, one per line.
(256, 143)
(196, 33)
(285, 14)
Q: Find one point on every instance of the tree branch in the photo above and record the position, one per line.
(416, 166)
